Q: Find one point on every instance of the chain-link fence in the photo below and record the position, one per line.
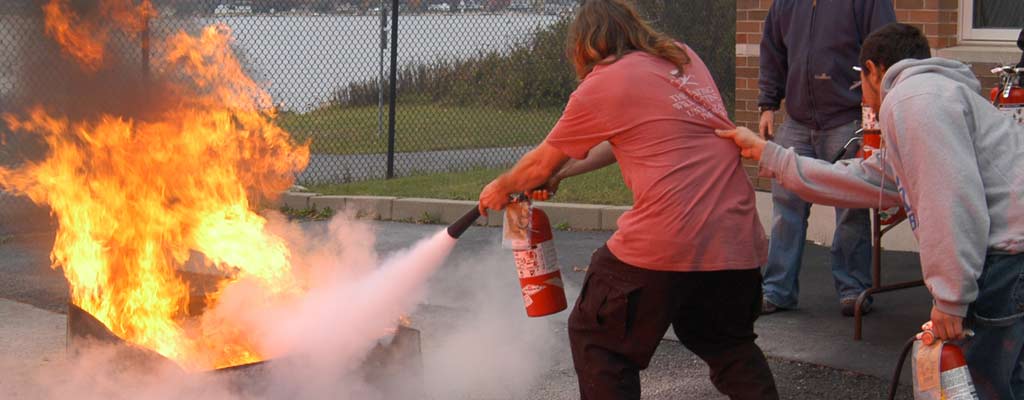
(328, 67)
(478, 82)
(21, 78)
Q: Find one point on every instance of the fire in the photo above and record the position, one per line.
(134, 198)
(84, 40)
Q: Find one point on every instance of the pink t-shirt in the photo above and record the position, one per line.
(693, 206)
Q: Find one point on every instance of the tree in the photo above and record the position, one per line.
(496, 5)
(709, 28)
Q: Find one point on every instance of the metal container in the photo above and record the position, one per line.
(397, 358)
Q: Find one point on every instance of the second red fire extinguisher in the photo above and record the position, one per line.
(939, 369)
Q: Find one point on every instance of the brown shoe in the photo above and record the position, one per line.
(768, 307)
(848, 306)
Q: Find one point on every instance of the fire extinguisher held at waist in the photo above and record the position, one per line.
(527, 232)
(939, 369)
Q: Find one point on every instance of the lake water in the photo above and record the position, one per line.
(304, 60)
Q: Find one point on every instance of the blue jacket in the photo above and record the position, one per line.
(807, 53)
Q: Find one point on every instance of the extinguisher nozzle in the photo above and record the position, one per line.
(458, 227)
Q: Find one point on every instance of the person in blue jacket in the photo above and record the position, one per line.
(807, 49)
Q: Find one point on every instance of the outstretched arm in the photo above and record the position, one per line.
(533, 170)
(599, 157)
(849, 183)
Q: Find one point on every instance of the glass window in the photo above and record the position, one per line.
(999, 20)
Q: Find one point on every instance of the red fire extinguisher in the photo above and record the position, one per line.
(940, 370)
(527, 231)
(1008, 94)
(954, 377)
(536, 261)
(871, 141)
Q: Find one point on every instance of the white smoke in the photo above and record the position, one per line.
(489, 350)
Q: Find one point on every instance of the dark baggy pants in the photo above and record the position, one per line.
(623, 312)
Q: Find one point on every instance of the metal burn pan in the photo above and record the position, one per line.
(396, 359)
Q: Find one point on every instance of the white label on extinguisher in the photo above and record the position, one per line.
(926, 370)
(957, 385)
(529, 291)
(539, 260)
(868, 119)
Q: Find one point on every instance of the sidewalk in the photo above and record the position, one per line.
(30, 340)
(821, 223)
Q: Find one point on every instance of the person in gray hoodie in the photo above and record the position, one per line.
(957, 166)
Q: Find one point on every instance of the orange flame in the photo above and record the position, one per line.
(84, 40)
(134, 198)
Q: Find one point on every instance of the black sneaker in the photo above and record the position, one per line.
(848, 305)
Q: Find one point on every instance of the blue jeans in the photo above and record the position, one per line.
(995, 355)
(851, 245)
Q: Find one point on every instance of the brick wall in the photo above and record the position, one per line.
(750, 16)
(936, 18)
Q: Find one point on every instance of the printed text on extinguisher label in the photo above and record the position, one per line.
(539, 260)
(956, 385)
(529, 291)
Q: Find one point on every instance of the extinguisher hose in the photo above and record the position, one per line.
(899, 367)
(846, 147)
(458, 227)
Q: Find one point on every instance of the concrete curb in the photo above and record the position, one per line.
(821, 223)
(573, 216)
(411, 209)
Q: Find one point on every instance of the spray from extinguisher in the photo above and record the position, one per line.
(939, 368)
(527, 231)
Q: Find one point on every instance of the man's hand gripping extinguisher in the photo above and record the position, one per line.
(939, 368)
(527, 231)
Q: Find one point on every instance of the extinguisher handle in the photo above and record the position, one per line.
(458, 227)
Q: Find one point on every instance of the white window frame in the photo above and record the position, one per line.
(970, 34)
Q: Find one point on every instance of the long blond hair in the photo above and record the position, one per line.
(604, 28)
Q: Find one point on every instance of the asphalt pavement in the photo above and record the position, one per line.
(478, 343)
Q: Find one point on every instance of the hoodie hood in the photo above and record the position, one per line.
(939, 67)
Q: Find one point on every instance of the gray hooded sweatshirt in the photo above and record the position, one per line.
(954, 162)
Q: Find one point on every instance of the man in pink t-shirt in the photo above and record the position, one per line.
(693, 205)
(688, 253)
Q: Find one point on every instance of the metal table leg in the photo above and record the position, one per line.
(876, 273)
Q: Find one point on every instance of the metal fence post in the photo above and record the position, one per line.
(145, 49)
(394, 89)
(380, 75)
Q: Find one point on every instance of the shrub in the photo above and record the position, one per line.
(535, 73)
(532, 74)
